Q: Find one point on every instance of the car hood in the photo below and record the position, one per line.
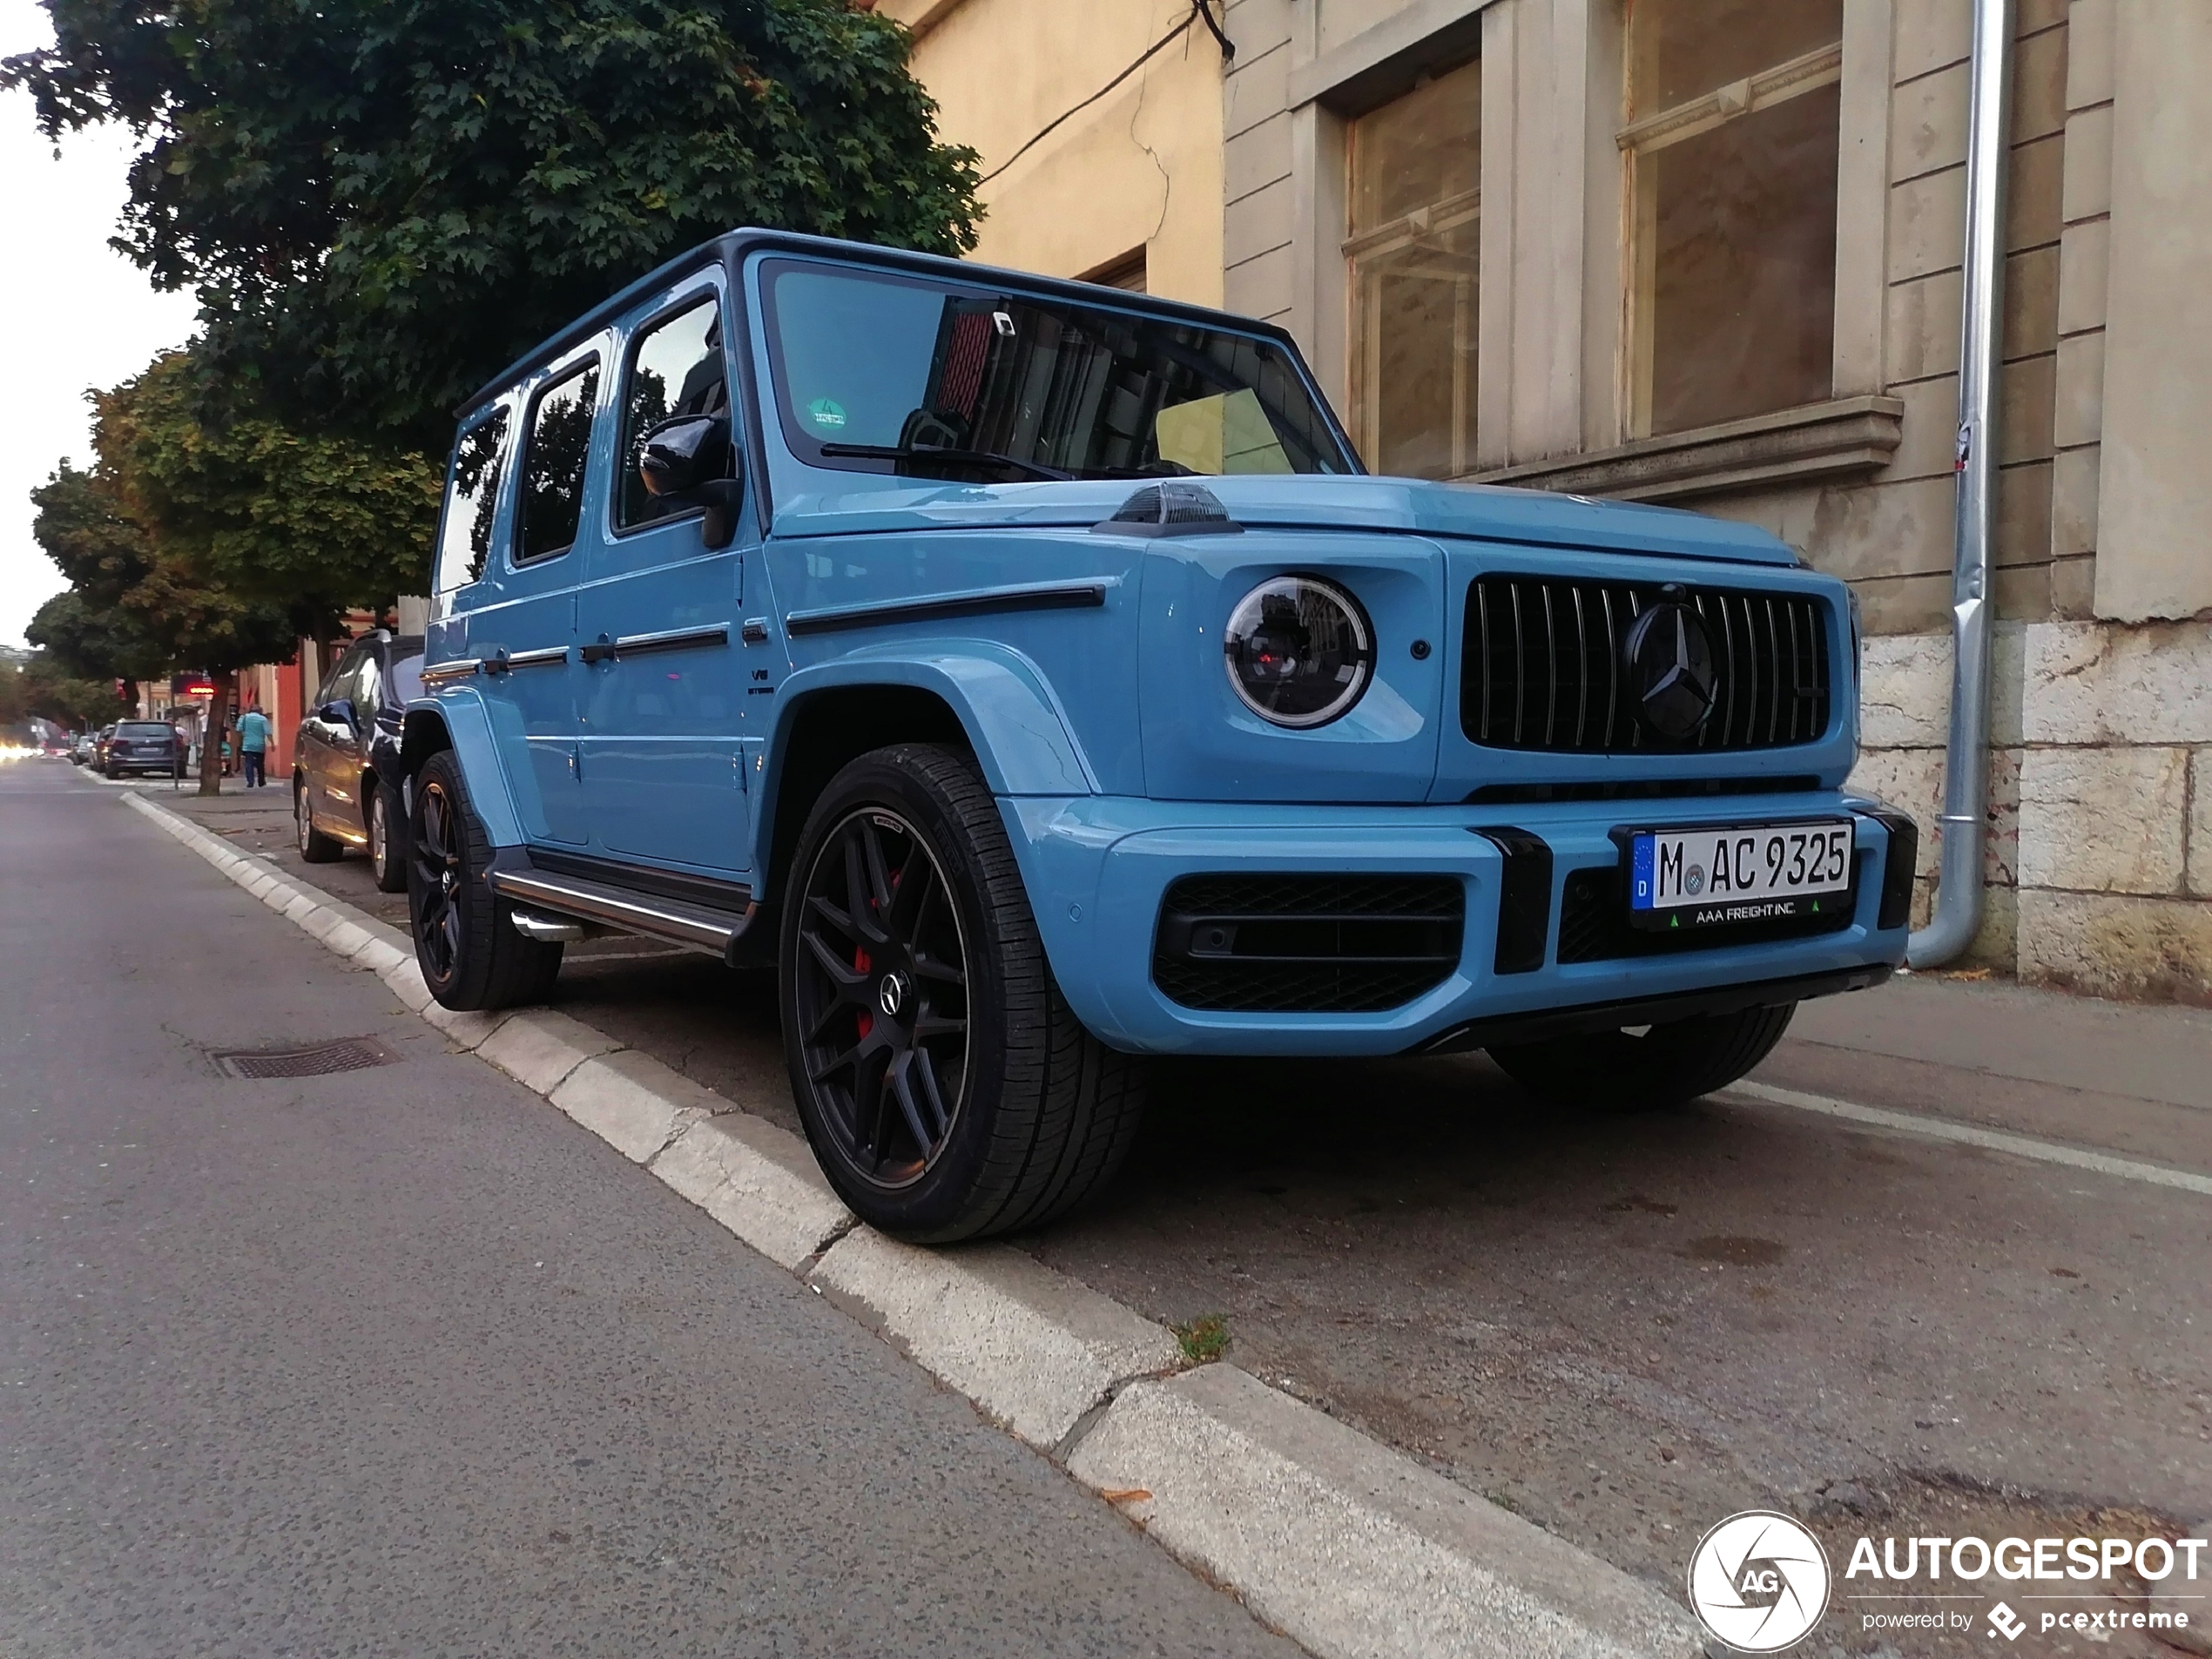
(1481, 511)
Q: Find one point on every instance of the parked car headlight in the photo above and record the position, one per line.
(1299, 651)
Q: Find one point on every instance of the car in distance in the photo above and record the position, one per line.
(1032, 673)
(347, 776)
(80, 752)
(140, 746)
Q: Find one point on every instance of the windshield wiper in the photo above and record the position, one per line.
(951, 457)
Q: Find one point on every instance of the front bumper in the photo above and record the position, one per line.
(1098, 868)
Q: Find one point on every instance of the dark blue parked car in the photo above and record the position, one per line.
(1030, 672)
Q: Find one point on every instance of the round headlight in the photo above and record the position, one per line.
(1299, 650)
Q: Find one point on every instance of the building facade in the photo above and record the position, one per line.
(1708, 252)
(1124, 188)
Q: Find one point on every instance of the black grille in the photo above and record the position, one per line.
(1593, 921)
(1542, 667)
(1306, 944)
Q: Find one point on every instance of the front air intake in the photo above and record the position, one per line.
(1306, 944)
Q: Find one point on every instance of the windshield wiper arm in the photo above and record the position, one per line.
(954, 457)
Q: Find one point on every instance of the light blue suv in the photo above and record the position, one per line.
(1031, 673)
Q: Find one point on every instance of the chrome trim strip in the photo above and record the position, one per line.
(673, 639)
(1029, 595)
(640, 913)
(459, 668)
(547, 656)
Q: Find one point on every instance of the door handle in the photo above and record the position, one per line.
(601, 650)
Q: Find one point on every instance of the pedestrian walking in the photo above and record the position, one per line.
(253, 745)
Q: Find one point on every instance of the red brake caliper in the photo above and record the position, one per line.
(866, 1023)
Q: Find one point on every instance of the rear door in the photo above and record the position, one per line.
(660, 700)
(522, 621)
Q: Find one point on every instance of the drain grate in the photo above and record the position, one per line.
(348, 1054)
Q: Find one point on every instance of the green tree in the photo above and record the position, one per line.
(381, 204)
(192, 545)
(40, 685)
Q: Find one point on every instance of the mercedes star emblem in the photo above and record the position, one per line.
(1669, 658)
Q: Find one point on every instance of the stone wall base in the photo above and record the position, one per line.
(2099, 861)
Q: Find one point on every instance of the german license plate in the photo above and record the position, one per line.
(1726, 876)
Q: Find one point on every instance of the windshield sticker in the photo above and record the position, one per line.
(826, 413)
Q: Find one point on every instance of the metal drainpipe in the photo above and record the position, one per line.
(1966, 768)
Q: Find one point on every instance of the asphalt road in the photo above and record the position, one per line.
(398, 1361)
(1626, 1329)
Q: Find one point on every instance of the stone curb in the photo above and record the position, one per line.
(761, 1183)
(1032, 1347)
(1348, 1546)
(1351, 1548)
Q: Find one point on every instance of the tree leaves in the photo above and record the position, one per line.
(210, 534)
(382, 204)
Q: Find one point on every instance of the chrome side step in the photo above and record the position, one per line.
(696, 926)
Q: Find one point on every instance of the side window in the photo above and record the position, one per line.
(551, 504)
(674, 369)
(342, 678)
(472, 498)
(366, 684)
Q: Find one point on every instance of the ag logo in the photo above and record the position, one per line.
(1759, 1581)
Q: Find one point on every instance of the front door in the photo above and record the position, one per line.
(661, 700)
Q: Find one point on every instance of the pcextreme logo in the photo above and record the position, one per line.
(1760, 1583)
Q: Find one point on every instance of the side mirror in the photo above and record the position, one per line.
(684, 461)
(339, 712)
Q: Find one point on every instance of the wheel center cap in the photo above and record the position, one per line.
(891, 994)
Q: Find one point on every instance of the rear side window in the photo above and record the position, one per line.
(472, 497)
(340, 682)
(676, 370)
(550, 505)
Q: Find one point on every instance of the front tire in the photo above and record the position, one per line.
(388, 858)
(1620, 1071)
(315, 847)
(465, 940)
(948, 1090)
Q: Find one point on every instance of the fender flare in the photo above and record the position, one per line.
(1001, 699)
(458, 719)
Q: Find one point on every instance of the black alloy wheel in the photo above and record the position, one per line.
(948, 1090)
(882, 994)
(436, 884)
(465, 940)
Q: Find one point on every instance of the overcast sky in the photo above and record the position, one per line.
(80, 314)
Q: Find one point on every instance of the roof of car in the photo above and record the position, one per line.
(736, 243)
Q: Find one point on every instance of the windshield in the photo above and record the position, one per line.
(878, 373)
(142, 728)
